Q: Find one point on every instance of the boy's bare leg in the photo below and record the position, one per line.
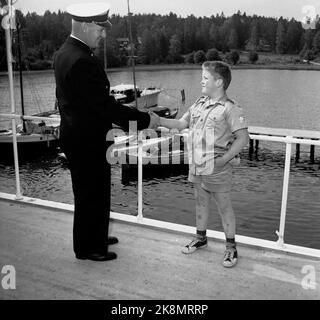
(202, 207)
(202, 214)
(229, 226)
(226, 212)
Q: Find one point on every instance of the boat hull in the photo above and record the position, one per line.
(149, 100)
(32, 138)
(29, 145)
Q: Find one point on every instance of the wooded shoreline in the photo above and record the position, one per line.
(164, 67)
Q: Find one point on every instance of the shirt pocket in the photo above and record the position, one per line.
(215, 120)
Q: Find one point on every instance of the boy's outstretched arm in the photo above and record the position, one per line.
(242, 139)
(174, 123)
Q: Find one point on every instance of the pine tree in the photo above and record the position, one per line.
(175, 49)
(163, 45)
(281, 38)
(233, 40)
(316, 43)
(214, 41)
(204, 30)
(308, 38)
(147, 47)
(254, 36)
(189, 33)
(306, 42)
(293, 36)
(224, 32)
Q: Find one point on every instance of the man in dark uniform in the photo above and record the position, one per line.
(87, 114)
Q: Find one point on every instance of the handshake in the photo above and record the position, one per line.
(154, 120)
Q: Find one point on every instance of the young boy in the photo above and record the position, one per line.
(217, 133)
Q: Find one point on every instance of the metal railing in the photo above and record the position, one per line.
(140, 219)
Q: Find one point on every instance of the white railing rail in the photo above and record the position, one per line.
(140, 219)
(21, 117)
(288, 141)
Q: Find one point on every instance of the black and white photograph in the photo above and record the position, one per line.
(159, 155)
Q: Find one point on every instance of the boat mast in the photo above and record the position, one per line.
(132, 57)
(20, 73)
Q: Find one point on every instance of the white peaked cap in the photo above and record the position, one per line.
(96, 12)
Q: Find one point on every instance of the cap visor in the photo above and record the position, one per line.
(106, 24)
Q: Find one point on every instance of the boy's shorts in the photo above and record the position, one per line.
(219, 181)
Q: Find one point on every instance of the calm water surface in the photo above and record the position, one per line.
(270, 98)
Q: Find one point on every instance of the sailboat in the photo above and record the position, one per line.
(147, 99)
(31, 133)
(133, 96)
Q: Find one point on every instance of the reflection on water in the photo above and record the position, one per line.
(256, 194)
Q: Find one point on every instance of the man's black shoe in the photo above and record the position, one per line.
(97, 256)
(112, 240)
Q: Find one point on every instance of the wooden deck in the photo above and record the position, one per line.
(38, 243)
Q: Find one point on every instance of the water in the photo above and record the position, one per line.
(270, 98)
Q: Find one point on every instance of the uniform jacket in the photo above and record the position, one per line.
(82, 90)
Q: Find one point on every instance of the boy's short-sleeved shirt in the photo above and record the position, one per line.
(211, 131)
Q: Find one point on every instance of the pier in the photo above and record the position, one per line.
(279, 132)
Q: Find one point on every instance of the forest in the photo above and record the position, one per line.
(166, 39)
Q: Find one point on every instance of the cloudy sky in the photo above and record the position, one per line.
(272, 8)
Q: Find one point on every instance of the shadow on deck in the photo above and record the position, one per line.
(38, 243)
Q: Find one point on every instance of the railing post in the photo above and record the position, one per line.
(16, 160)
(285, 189)
(13, 110)
(140, 166)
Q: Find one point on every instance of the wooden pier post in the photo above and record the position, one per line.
(251, 148)
(257, 147)
(312, 148)
(297, 152)
(183, 96)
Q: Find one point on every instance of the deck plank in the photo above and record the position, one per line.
(38, 243)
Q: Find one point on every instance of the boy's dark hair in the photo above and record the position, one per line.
(221, 69)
